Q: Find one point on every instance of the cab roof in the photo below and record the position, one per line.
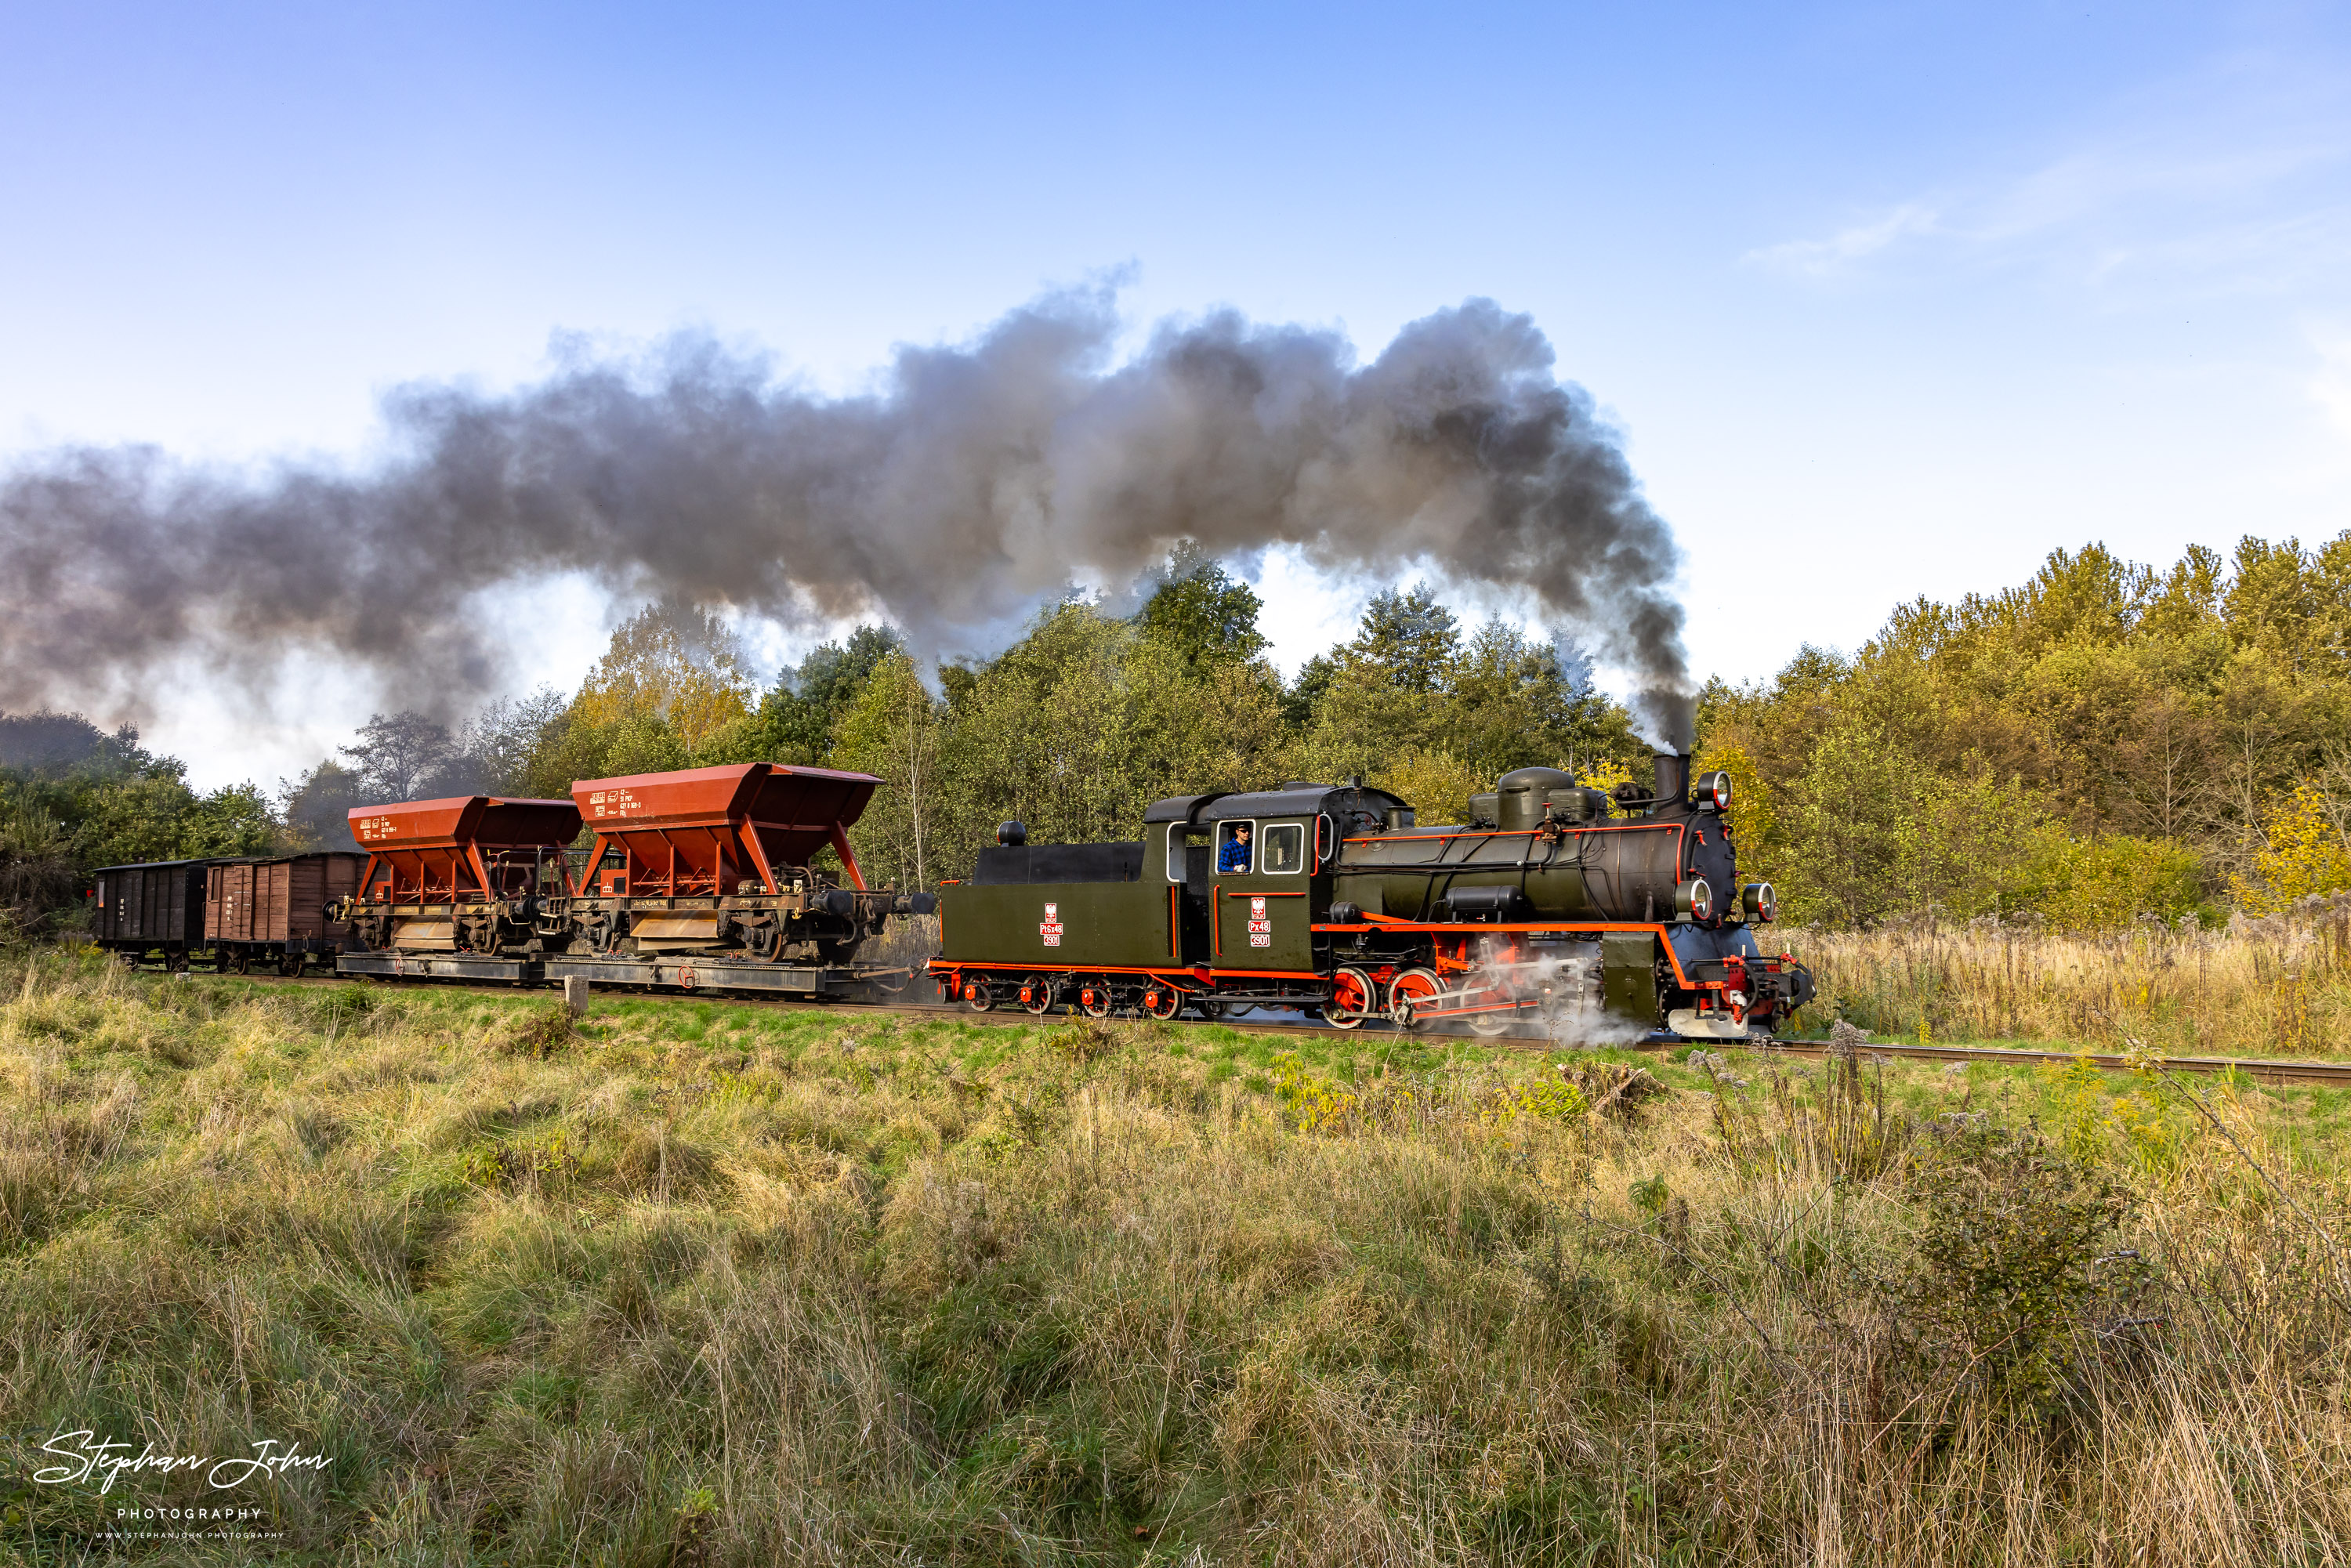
(1294, 799)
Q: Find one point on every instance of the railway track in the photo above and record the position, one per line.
(2261, 1070)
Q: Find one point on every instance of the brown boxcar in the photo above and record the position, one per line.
(156, 906)
(275, 911)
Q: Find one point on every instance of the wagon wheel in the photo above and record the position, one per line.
(1409, 996)
(241, 964)
(1041, 996)
(976, 996)
(1095, 1002)
(1161, 1000)
(1353, 997)
(290, 966)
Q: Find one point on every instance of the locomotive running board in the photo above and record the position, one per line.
(794, 980)
(426, 966)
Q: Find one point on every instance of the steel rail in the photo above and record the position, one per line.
(2265, 1069)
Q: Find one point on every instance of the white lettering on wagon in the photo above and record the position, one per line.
(614, 803)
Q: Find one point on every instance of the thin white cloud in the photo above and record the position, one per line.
(1842, 251)
(2227, 185)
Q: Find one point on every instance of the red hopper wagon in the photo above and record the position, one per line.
(702, 878)
(472, 886)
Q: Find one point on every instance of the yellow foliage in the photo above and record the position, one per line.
(673, 663)
(2305, 854)
(1754, 814)
(1604, 775)
(1437, 784)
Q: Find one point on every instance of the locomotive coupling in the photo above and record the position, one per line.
(872, 905)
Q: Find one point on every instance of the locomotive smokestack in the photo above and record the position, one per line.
(976, 484)
(1673, 777)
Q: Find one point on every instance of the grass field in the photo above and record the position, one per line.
(2280, 986)
(692, 1283)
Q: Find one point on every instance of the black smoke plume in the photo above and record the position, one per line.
(976, 481)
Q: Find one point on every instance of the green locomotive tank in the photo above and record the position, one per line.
(1583, 911)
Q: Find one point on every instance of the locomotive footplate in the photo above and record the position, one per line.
(438, 966)
(696, 974)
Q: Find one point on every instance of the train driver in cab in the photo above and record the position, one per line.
(1234, 855)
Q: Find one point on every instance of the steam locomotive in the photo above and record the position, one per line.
(1589, 913)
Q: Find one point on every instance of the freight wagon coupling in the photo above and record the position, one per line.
(1558, 907)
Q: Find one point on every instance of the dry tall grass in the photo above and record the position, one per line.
(695, 1285)
(2277, 986)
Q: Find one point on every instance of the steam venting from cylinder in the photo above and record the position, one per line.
(975, 483)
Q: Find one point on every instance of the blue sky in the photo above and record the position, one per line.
(1887, 299)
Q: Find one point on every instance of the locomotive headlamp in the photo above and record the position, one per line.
(1694, 900)
(1761, 903)
(1714, 792)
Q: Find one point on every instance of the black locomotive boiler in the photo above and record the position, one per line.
(1591, 915)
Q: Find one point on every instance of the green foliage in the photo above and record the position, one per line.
(1202, 612)
(2012, 1276)
(797, 718)
(108, 806)
(2106, 741)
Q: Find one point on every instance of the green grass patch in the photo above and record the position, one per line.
(697, 1282)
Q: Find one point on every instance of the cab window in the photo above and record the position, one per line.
(1285, 849)
(1236, 848)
